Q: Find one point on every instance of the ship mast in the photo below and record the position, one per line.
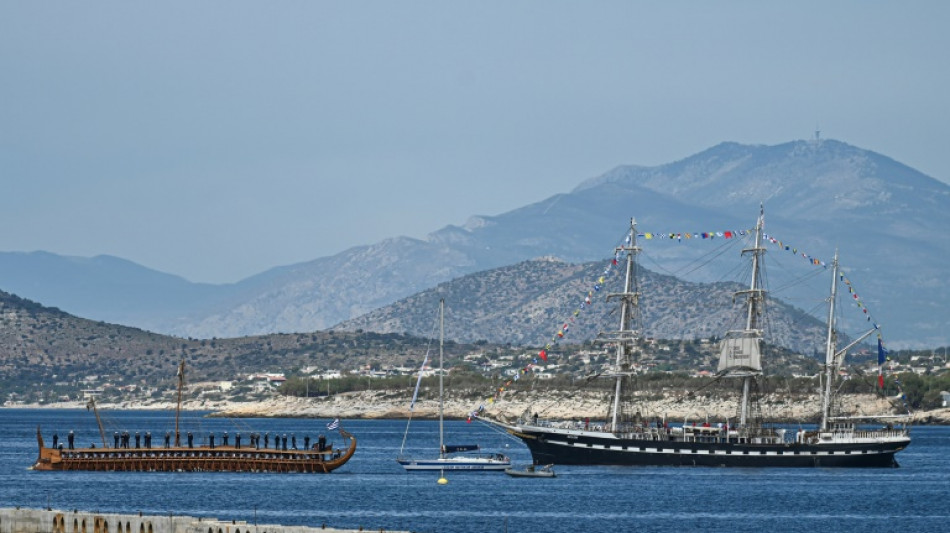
(834, 357)
(740, 351)
(629, 314)
(102, 432)
(181, 383)
(830, 347)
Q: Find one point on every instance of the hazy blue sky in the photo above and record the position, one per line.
(215, 140)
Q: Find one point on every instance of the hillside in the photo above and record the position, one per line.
(526, 304)
(46, 354)
(44, 351)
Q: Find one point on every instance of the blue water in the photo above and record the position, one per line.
(373, 491)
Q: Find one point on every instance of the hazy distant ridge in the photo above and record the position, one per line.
(886, 219)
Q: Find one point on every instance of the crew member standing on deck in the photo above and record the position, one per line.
(69, 439)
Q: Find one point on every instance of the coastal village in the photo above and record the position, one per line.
(262, 393)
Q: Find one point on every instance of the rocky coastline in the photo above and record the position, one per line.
(548, 405)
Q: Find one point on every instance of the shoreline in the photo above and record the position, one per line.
(372, 405)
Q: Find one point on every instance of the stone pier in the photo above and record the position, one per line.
(20, 520)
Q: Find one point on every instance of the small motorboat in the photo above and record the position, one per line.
(532, 471)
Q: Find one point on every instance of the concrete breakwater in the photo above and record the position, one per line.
(17, 520)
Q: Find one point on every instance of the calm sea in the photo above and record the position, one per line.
(373, 491)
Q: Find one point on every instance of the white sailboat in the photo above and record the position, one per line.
(458, 457)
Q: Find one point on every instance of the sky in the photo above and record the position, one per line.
(214, 140)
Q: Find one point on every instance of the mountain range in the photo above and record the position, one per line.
(883, 217)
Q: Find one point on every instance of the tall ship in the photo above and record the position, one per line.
(747, 440)
(180, 453)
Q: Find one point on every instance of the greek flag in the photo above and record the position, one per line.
(333, 425)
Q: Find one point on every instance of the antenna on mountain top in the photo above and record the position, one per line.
(817, 136)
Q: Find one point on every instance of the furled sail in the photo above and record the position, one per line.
(740, 352)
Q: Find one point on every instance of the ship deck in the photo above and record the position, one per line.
(195, 459)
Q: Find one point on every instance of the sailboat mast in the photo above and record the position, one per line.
(629, 307)
(830, 347)
(181, 382)
(441, 401)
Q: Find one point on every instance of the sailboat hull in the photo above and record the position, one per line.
(597, 448)
(469, 464)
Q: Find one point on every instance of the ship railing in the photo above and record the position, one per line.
(863, 434)
(723, 433)
(644, 433)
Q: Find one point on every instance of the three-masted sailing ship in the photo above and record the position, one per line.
(836, 442)
(174, 456)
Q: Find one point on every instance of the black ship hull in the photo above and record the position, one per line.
(595, 449)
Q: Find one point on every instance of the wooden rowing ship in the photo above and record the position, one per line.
(195, 459)
(321, 458)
